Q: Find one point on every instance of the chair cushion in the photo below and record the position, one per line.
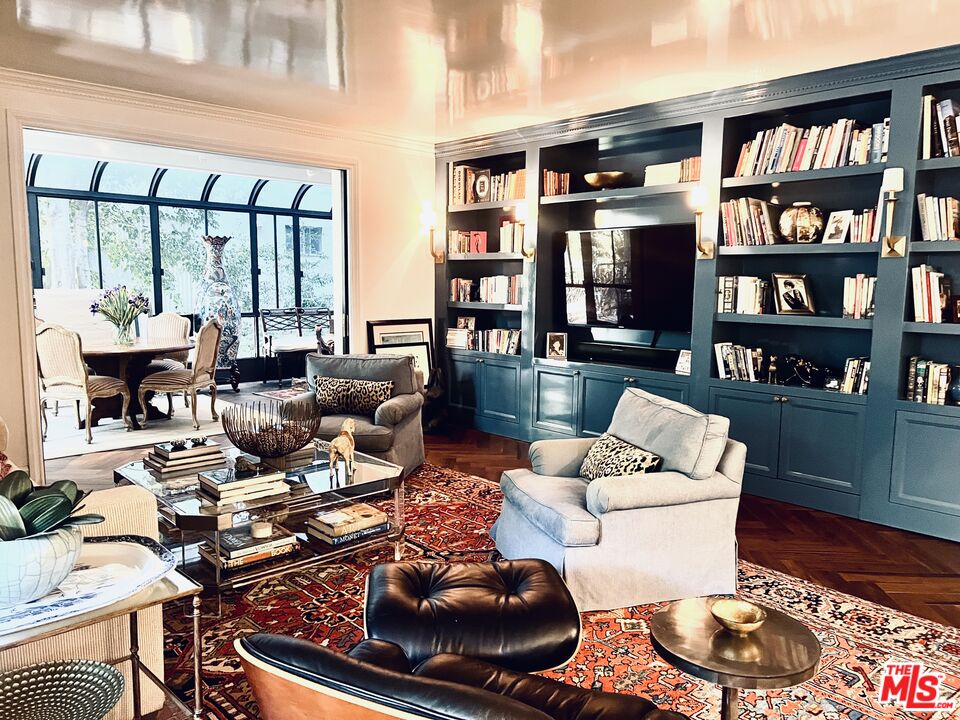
(349, 395)
(556, 505)
(518, 613)
(174, 379)
(612, 457)
(689, 441)
(100, 384)
(294, 343)
(558, 700)
(368, 437)
(162, 364)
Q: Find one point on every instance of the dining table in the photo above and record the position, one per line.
(129, 363)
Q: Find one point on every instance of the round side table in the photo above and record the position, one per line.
(780, 654)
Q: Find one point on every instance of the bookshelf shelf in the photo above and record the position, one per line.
(480, 353)
(618, 194)
(943, 163)
(484, 306)
(948, 410)
(473, 207)
(804, 175)
(932, 328)
(791, 391)
(801, 249)
(939, 246)
(466, 257)
(801, 320)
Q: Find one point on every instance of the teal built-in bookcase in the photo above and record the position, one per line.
(873, 456)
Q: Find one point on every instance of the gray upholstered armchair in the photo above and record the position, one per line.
(394, 432)
(629, 540)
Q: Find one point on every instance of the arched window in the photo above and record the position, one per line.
(182, 184)
(319, 198)
(278, 194)
(233, 189)
(126, 178)
(64, 172)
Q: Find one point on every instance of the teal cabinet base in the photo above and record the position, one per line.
(817, 498)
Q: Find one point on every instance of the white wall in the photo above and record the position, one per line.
(391, 272)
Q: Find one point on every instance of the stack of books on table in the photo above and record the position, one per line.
(169, 461)
(296, 459)
(238, 548)
(224, 487)
(347, 524)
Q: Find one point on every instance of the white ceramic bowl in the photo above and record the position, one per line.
(34, 566)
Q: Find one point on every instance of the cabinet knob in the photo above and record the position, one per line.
(480, 361)
(777, 398)
(576, 372)
(784, 399)
(629, 379)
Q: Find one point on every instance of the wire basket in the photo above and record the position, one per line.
(270, 429)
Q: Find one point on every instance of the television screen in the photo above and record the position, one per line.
(638, 278)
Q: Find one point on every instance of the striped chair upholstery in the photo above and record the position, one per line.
(173, 327)
(64, 375)
(201, 375)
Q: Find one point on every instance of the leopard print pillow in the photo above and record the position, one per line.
(610, 456)
(341, 396)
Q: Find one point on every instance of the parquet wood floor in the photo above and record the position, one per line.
(898, 569)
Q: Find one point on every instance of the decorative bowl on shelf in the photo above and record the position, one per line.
(270, 429)
(607, 180)
(738, 616)
(801, 223)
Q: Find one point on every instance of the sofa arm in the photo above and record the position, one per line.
(560, 458)
(658, 489)
(397, 408)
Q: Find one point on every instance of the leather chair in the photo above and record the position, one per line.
(446, 624)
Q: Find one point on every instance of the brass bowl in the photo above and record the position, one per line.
(738, 616)
(606, 180)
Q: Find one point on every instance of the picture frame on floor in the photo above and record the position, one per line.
(382, 333)
(419, 351)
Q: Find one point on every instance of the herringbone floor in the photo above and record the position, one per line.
(898, 569)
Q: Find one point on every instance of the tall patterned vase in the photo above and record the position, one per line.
(216, 299)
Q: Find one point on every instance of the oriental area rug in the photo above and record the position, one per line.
(448, 514)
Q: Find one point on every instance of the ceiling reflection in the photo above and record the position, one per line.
(439, 69)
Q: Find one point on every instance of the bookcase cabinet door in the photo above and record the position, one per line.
(599, 395)
(555, 399)
(926, 458)
(821, 443)
(464, 382)
(755, 421)
(500, 389)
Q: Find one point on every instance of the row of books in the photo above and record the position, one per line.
(686, 170)
(858, 294)
(181, 458)
(464, 242)
(738, 362)
(742, 294)
(862, 226)
(938, 136)
(556, 183)
(511, 236)
(347, 524)
(498, 340)
(856, 376)
(468, 184)
(503, 289)
(931, 294)
(939, 217)
(787, 148)
(227, 486)
(928, 381)
(748, 221)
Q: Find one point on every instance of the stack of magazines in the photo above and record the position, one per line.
(238, 548)
(347, 524)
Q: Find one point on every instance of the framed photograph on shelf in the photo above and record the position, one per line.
(557, 345)
(420, 352)
(466, 323)
(399, 332)
(791, 294)
(838, 224)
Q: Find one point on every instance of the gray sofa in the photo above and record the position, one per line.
(394, 432)
(622, 541)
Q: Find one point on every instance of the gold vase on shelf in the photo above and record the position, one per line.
(801, 223)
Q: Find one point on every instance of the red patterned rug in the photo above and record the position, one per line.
(448, 514)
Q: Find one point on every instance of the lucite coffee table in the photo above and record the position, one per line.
(781, 653)
(188, 522)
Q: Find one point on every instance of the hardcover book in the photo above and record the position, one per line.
(348, 519)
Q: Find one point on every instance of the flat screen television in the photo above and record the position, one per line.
(639, 278)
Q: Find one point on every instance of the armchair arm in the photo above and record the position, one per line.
(658, 489)
(397, 408)
(561, 458)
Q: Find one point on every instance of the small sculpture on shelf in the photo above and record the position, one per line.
(772, 371)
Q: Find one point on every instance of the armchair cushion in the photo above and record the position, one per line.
(350, 395)
(559, 457)
(611, 456)
(368, 436)
(397, 408)
(555, 504)
(657, 490)
(689, 441)
(398, 369)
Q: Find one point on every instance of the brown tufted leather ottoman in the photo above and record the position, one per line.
(515, 613)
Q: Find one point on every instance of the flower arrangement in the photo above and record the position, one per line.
(121, 308)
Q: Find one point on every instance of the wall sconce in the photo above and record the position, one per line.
(520, 217)
(697, 199)
(428, 222)
(893, 246)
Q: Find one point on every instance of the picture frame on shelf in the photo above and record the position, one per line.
(465, 322)
(557, 345)
(420, 351)
(792, 294)
(837, 227)
(399, 332)
(683, 363)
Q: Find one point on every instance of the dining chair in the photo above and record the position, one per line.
(64, 376)
(201, 375)
(176, 328)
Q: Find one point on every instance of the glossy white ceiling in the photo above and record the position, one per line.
(442, 69)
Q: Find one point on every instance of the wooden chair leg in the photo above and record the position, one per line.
(193, 408)
(56, 408)
(213, 402)
(43, 419)
(79, 420)
(170, 404)
(89, 420)
(186, 399)
(142, 397)
(279, 370)
(125, 411)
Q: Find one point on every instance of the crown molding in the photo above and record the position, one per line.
(718, 101)
(81, 90)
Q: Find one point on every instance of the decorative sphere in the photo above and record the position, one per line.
(801, 223)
